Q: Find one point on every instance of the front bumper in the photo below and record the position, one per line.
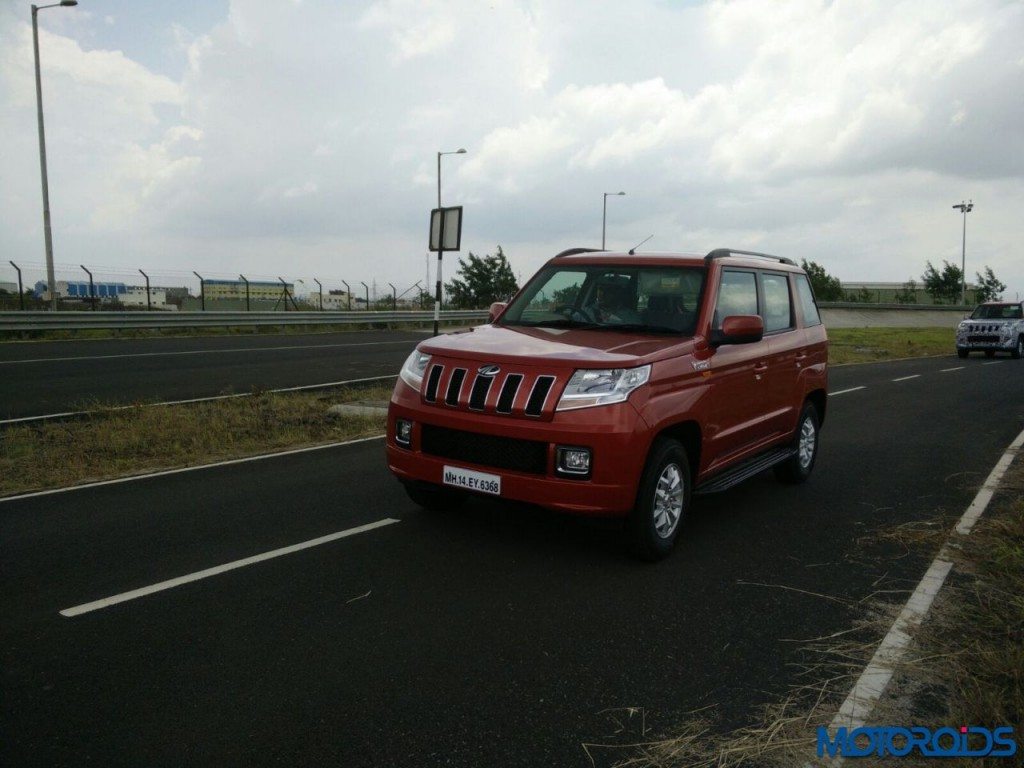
(1000, 345)
(615, 434)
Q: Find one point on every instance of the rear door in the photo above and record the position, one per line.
(737, 383)
(787, 353)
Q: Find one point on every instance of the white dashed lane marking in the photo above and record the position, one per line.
(106, 602)
(844, 391)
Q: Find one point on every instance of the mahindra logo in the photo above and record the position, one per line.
(488, 370)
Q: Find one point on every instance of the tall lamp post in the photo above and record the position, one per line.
(440, 285)
(50, 283)
(604, 213)
(964, 208)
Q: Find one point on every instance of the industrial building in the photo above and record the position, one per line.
(79, 289)
(105, 292)
(235, 289)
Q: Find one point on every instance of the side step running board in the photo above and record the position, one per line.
(747, 469)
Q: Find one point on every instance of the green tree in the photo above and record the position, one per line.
(826, 287)
(908, 293)
(482, 280)
(990, 288)
(566, 295)
(860, 296)
(943, 286)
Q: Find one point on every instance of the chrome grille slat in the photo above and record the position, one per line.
(539, 395)
(433, 380)
(455, 387)
(478, 393)
(508, 393)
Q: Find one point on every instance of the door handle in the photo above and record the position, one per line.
(760, 367)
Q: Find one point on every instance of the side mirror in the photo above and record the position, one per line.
(495, 311)
(738, 329)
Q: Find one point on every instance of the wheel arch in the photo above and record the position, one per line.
(819, 399)
(689, 434)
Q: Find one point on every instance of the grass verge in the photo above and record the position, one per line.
(965, 665)
(868, 345)
(143, 438)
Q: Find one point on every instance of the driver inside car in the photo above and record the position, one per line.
(613, 305)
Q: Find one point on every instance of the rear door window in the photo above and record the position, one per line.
(778, 309)
(808, 308)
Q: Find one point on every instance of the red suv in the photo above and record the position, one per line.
(619, 384)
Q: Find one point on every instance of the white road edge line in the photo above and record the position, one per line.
(876, 676)
(844, 391)
(179, 470)
(134, 594)
(205, 352)
(947, 370)
(211, 398)
(907, 378)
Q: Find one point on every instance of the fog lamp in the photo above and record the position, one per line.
(573, 461)
(403, 431)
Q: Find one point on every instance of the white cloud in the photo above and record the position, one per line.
(305, 134)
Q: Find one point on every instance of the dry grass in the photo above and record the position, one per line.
(965, 666)
(144, 438)
(866, 345)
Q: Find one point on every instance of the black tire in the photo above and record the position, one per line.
(1018, 351)
(798, 468)
(962, 354)
(990, 353)
(433, 497)
(652, 532)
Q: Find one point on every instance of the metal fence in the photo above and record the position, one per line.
(77, 321)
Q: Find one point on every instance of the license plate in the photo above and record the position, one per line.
(472, 481)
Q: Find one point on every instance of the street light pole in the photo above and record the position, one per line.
(245, 280)
(604, 214)
(440, 246)
(149, 301)
(964, 208)
(47, 237)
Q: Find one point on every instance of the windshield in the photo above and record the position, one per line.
(998, 312)
(618, 297)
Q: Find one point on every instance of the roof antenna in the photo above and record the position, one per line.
(632, 251)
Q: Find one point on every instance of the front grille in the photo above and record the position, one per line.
(982, 339)
(509, 393)
(487, 450)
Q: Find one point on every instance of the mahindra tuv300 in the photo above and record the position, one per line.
(619, 384)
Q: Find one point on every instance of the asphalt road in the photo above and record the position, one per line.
(497, 635)
(37, 378)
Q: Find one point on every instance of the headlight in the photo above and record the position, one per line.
(603, 386)
(413, 368)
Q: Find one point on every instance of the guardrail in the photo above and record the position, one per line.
(78, 321)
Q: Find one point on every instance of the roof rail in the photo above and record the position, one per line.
(721, 253)
(577, 251)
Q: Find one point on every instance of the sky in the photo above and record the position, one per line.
(298, 138)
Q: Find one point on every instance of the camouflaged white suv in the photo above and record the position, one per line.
(995, 326)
